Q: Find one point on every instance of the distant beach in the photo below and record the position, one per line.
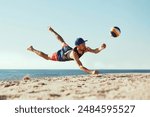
(108, 86)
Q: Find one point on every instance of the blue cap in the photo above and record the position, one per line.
(79, 41)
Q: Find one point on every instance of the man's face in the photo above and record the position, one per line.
(82, 47)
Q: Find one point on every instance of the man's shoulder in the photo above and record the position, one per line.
(88, 49)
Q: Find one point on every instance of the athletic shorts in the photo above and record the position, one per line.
(58, 56)
(54, 57)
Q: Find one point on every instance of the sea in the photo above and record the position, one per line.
(16, 74)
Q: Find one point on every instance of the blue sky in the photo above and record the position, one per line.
(25, 22)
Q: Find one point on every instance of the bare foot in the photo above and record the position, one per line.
(50, 29)
(30, 48)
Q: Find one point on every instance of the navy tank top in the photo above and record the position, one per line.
(64, 53)
(75, 50)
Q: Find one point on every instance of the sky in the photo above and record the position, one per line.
(25, 22)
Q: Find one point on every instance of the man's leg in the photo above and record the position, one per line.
(39, 53)
(63, 43)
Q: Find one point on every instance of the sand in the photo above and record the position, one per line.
(82, 87)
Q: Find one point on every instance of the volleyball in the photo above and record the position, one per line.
(115, 31)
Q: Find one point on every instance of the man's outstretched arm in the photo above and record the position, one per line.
(97, 50)
(76, 58)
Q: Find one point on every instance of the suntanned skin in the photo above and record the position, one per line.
(82, 48)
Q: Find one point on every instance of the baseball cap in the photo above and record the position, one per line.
(79, 41)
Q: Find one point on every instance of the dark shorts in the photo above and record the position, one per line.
(58, 56)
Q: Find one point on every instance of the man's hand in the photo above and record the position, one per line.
(94, 72)
(103, 46)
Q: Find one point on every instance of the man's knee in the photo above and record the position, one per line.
(64, 44)
(60, 38)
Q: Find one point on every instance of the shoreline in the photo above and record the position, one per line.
(120, 86)
(17, 74)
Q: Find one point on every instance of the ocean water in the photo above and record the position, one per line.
(15, 74)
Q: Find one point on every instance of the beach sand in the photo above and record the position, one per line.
(86, 87)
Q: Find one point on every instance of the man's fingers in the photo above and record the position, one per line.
(95, 72)
(104, 45)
